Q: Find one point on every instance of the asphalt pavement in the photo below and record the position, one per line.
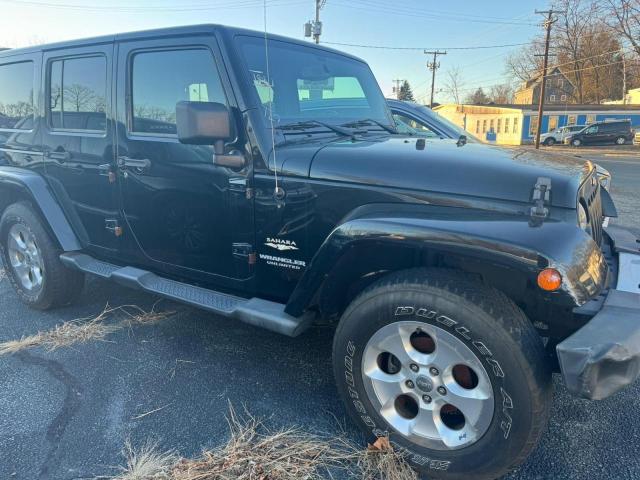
(66, 414)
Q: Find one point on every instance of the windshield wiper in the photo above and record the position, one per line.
(311, 123)
(369, 121)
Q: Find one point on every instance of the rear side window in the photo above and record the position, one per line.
(16, 96)
(77, 94)
(161, 79)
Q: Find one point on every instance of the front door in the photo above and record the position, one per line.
(186, 215)
(78, 141)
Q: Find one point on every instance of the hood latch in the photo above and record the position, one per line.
(541, 196)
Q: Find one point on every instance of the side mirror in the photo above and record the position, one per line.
(207, 123)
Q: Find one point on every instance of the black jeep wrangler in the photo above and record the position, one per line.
(262, 178)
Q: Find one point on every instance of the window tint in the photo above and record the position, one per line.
(16, 96)
(78, 93)
(162, 79)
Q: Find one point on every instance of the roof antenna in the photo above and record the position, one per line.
(278, 193)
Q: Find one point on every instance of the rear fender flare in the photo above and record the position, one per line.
(32, 186)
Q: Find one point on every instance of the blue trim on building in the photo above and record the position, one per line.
(581, 119)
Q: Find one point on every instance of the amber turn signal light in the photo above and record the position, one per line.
(549, 279)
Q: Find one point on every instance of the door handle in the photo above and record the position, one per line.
(138, 163)
(59, 155)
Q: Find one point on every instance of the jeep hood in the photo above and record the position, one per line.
(441, 166)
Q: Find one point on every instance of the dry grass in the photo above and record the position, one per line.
(83, 330)
(63, 335)
(138, 316)
(146, 463)
(381, 462)
(255, 452)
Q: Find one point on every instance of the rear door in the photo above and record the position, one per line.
(186, 215)
(78, 141)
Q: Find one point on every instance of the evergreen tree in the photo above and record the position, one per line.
(405, 92)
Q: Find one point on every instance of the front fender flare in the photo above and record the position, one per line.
(511, 240)
(34, 187)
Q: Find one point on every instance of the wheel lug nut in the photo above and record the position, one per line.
(414, 367)
(426, 398)
(434, 371)
(409, 384)
(442, 390)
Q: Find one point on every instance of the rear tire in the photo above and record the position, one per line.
(550, 141)
(576, 142)
(507, 370)
(32, 260)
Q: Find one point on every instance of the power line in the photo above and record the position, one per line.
(388, 47)
(147, 8)
(452, 16)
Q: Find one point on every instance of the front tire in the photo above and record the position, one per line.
(550, 141)
(621, 141)
(576, 142)
(450, 369)
(32, 260)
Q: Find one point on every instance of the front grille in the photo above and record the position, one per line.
(591, 197)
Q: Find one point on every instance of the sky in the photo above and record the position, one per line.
(415, 24)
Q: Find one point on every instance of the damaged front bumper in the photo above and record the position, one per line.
(603, 356)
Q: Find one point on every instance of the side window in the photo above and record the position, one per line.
(412, 127)
(77, 92)
(161, 79)
(16, 96)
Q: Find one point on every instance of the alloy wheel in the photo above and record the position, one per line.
(428, 385)
(25, 258)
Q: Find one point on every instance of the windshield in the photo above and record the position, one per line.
(309, 83)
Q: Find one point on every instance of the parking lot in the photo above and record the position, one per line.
(66, 414)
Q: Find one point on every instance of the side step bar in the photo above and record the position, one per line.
(254, 311)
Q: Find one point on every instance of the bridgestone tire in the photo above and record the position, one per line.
(497, 332)
(60, 286)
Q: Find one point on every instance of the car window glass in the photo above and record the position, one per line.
(410, 126)
(16, 95)
(77, 93)
(591, 130)
(161, 79)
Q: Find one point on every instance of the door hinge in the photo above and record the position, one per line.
(541, 197)
(244, 251)
(113, 226)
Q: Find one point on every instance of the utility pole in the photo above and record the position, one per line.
(433, 66)
(313, 28)
(547, 24)
(396, 89)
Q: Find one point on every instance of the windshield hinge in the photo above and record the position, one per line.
(541, 196)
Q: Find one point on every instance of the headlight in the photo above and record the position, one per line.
(583, 218)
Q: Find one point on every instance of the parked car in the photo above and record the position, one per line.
(274, 193)
(559, 134)
(616, 132)
(419, 120)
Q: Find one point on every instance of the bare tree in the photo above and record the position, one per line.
(523, 64)
(454, 84)
(478, 97)
(624, 17)
(502, 93)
